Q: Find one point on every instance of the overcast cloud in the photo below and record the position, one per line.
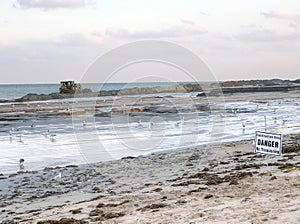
(53, 4)
(176, 31)
(282, 16)
(42, 42)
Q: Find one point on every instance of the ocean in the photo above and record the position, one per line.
(14, 91)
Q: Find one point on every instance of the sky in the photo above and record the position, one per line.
(44, 41)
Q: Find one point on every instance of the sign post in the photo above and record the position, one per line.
(268, 143)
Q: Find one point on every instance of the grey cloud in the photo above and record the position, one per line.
(52, 4)
(48, 60)
(204, 13)
(268, 36)
(293, 25)
(269, 15)
(80, 39)
(164, 33)
(252, 26)
(188, 22)
(281, 15)
(69, 45)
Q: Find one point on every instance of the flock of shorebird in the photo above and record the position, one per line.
(18, 134)
(57, 178)
(151, 124)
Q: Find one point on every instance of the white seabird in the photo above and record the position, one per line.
(179, 123)
(19, 136)
(47, 133)
(151, 124)
(58, 178)
(140, 125)
(235, 110)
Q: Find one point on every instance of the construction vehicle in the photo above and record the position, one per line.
(69, 87)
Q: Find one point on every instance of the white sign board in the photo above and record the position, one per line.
(268, 143)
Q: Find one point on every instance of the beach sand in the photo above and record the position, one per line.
(225, 183)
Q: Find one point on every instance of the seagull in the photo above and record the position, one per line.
(235, 110)
(21, 164)
(58, 177)
(140, 124)
(84, 123)
(178, 123)
(32, 125)
(52, 136)
(46, 133)
(20, 137)
(151, 124)
(12, 131)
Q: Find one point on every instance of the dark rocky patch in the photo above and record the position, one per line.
(76, 211)
(291, 147)
(96, 212)
(109, 215)
(186, 183)
(152, 206)
(158, 189)
(63, 221)
(208, 196)
(181, 201)
(128, 157)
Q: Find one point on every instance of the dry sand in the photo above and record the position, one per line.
(225, 183)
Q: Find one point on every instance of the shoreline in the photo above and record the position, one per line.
(288, 147)
(192, 183)
(21, 116)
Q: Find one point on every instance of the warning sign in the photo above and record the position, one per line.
(268, 143)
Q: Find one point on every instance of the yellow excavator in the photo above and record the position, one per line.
(69, 87)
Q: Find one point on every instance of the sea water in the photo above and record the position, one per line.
(14, 91)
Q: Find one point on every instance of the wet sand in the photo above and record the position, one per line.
(225, 183)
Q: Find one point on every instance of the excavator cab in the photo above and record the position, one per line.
(69, 87)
